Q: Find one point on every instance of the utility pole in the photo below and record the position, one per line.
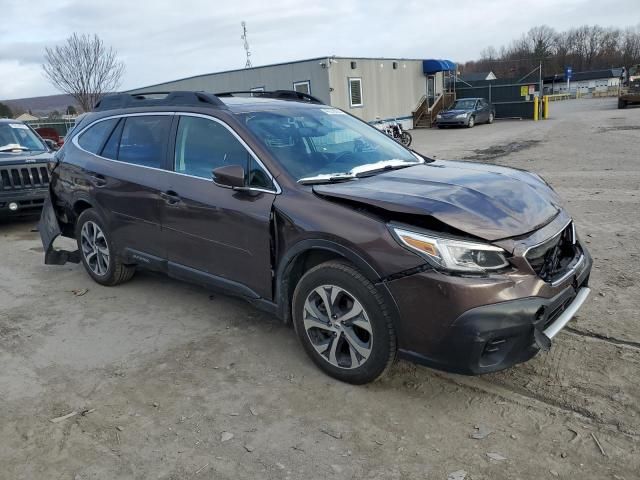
(246, 45)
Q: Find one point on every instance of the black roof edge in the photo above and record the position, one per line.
(290, 95)
(178, 98)
(192, 99)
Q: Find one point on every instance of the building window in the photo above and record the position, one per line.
(355, 92)
(302, 87)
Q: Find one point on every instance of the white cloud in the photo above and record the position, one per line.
(169, 39)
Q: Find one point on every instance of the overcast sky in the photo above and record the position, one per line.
(163, 40)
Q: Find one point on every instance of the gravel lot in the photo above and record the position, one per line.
(184, 384)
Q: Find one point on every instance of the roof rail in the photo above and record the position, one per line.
(159, 99)
(291, 95)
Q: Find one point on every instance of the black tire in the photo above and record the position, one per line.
(115, 272)
(621, 104)
(471, 122)
(382, 339)
(406, 139)
(490, 120)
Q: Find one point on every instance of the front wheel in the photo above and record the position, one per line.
(343, 323)
(490, 121)
(622, 104)
(471, 122)
(405, 139)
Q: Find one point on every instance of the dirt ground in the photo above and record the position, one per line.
(182, 384)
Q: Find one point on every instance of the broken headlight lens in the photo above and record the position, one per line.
(454, 255)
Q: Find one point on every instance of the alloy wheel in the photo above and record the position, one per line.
(338, 326)
(94, 248)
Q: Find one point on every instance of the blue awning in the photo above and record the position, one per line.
(433, 66)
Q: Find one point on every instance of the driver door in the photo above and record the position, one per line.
(217, 235)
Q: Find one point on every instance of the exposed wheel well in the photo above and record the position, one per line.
(69, 218)
(80, 206)
(302, 263)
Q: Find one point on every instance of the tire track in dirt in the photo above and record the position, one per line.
(582, 375)
(604, 338)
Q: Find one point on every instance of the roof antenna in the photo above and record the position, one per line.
(246, 45)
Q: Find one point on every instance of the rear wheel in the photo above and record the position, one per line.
(471, 122)
(490, 121)
(343, 323)
(622, 104)
(406, 139)
(97, 252)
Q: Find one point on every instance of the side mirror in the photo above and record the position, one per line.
(229, 176)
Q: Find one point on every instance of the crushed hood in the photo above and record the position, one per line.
(487, 201)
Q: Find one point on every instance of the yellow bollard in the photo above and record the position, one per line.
(545, 107)
(535, 109)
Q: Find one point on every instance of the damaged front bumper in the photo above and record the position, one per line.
(49, 229)
(477, 326)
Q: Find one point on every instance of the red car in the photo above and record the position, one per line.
(48, 133)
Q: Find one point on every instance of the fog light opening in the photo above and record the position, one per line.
(13, 206)
(494, 345)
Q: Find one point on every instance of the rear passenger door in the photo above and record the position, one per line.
(217, 235)
(127, 179)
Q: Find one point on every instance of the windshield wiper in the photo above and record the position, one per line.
(386, 169)
(326, 178)
(360, 171)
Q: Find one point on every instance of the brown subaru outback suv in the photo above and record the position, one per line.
(371, 250)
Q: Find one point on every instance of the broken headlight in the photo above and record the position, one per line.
(452, 254)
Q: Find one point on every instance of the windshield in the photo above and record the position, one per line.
(17, 137)
(466, 104)
(312, 142)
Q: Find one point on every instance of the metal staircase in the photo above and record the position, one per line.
(424, 116)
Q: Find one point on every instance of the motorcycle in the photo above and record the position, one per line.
(395, 131)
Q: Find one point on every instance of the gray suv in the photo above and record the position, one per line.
(24, 178)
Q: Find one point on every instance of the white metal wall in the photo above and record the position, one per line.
(271, 77)
(387, 93)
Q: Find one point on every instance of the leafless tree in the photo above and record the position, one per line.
(84, 68)
(584, 48)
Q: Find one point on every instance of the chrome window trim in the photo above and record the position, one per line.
(74, 140)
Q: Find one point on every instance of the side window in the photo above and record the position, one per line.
(303, 87)
(144, 140)
(257, 177)
(94, 137)
(203, 145)
(110, 149)
(355, 92)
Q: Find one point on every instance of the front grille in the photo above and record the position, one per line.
(20, 177)
(551, 258)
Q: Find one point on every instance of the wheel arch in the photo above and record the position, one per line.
(305, 255)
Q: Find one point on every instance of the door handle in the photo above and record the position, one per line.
(170, 197)
(98, 180)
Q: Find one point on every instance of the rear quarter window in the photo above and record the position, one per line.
(94, 137)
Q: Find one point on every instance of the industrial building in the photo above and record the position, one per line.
(372, 89)
(584, 82)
